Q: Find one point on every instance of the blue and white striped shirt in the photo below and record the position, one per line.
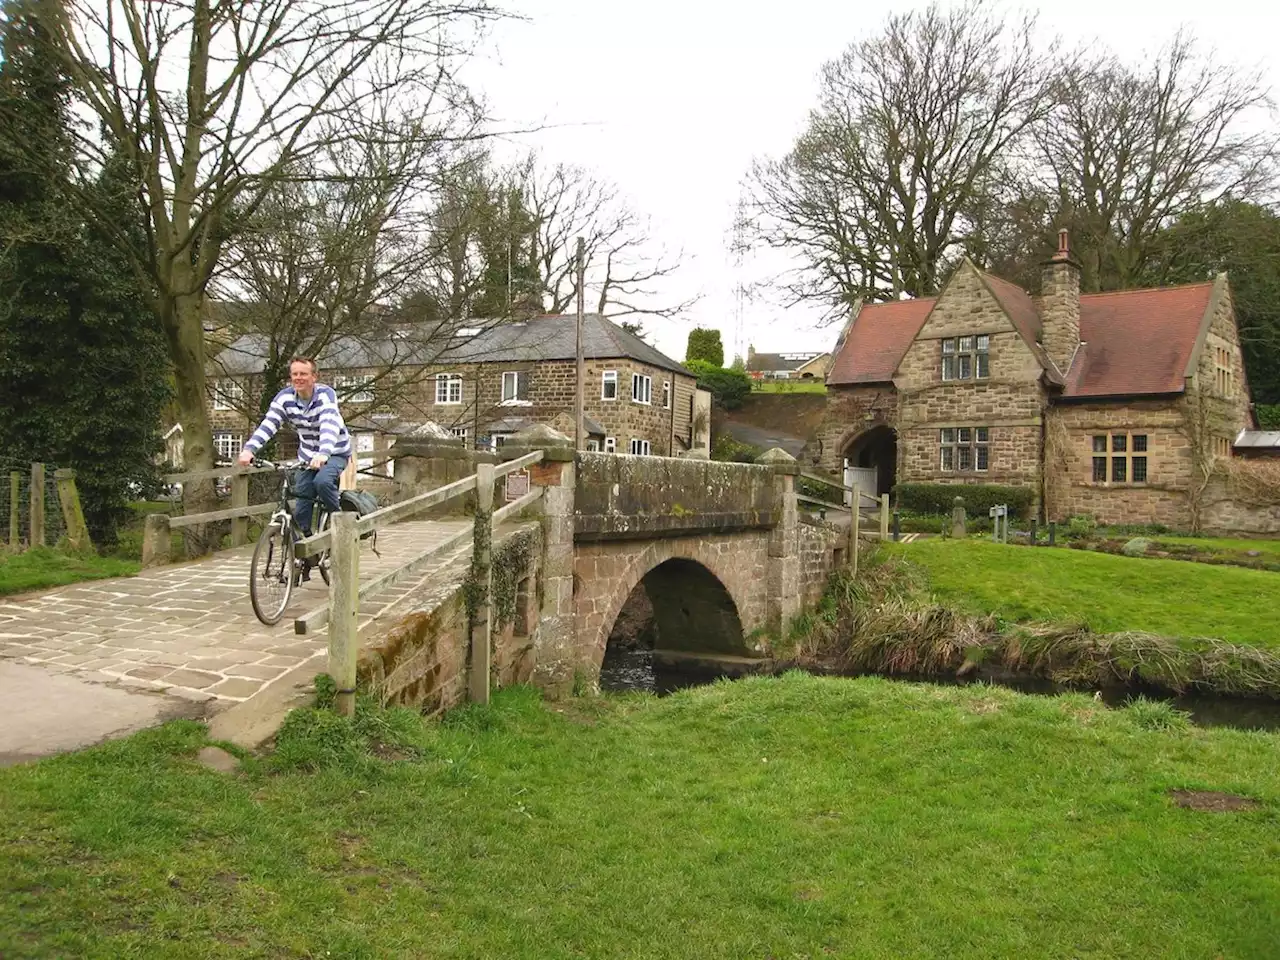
(321, 432)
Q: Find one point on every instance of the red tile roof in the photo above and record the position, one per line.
(881, 334)
(1134, 341)
(1137, 341)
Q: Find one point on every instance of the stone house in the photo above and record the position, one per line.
(484, 385)
(1113, 405)
(787, 366)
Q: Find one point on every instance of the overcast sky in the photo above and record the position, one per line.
(670, 101)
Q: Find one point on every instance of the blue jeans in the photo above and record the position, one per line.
(312, 485)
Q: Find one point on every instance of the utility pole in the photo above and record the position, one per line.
(579, 419)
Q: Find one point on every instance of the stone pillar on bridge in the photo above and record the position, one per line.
(783, 580)
(555, 645)
(432, 457)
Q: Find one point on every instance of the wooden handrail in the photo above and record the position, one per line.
(231, 513)
(515, 506)
(511, 466)
(822, 503)
(216, 472)
(826, 481)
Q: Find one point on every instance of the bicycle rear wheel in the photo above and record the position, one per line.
(271, 573)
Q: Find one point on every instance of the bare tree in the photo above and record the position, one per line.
(213, 103)
(624, 264)
(916, 128)
(1126, 151)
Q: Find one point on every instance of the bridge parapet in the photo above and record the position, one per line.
(621, 497)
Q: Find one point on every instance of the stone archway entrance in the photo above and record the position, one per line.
(871, 458)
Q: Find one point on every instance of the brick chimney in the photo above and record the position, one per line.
(1059, 304)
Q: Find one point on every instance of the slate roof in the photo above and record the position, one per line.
(1134, 342)
(1258, 440)
(540, 338)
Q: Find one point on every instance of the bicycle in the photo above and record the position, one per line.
(274, 569)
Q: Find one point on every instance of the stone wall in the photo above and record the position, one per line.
(420, 660)
(1010, 402)
(642, 497)
(822, 548)
(1163, 499)
(1230, 508)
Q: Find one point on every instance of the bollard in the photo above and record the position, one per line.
(1033, 532)
(958, 519)
(156, 542)
(72, 512)
(1053, 532)
(897, 525)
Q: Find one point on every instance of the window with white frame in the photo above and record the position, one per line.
(364, 451)
(966, 358)
(641, 388)
(1120, 457)
(666, 394)
(227, 393)
(227, 445)
(964, 449)
(448, 388)
(609, 385)
(461, 433)
(515, 387)
(640, 447)
(610, 444)
(593, 446)
(354, 389)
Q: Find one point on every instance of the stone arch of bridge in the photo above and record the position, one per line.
(683, 560)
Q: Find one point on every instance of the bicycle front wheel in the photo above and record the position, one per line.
(323, 560)
(271, 573)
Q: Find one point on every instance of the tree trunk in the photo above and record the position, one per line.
(180, 316)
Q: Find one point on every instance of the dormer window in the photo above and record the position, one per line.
(966, 358)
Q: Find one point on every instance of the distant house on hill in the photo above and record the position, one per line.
(811, 365)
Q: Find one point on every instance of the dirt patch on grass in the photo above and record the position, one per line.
(1212, 801)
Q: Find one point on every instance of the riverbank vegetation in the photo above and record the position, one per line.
(789, 816)
(949, 608)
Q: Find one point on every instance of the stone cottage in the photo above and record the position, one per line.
(1114, 405)
(484, 384)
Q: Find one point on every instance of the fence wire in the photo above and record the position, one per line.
(17, 514)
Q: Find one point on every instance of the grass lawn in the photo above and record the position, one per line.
(788, 386)
(788, 817)
(1109, 593)
(43, 567)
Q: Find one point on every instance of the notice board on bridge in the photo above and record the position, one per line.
(517, 485)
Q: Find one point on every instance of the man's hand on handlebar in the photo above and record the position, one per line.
(245, 458)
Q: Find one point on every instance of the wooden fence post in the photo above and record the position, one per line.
(72, 513)
(157, 544)
(482, 578)
(15, 495)
(344, 609)
(855, 521)
(37, 505)
(239, 498)
(884, 517)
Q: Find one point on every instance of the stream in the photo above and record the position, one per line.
(635, 669)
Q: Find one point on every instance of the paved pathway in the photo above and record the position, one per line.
(188, 629)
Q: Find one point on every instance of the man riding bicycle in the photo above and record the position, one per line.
(323, 441)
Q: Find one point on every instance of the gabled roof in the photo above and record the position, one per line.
(540, 338)
(878, 339)
(1137, 342)
(1133, 342)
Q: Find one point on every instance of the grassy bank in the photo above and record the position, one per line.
(1107, 593)
(44, 567)
(788, 817)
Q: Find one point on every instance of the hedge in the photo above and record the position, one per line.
(937, 499)
(728, 387)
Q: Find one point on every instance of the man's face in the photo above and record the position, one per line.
(302, 377)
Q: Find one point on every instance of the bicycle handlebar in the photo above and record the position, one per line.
(271, 465)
